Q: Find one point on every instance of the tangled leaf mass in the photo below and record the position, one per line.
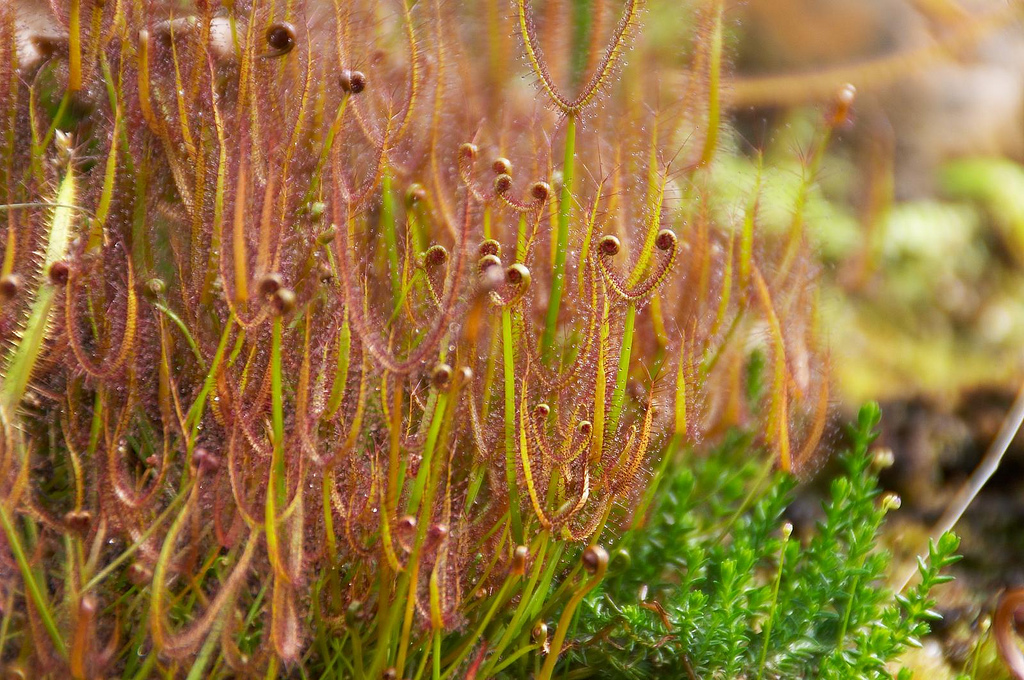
(272, 392)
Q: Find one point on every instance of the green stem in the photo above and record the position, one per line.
(212, 641)
(540, 594)
(139, 237)
(389, 615)
(520, 614)
(277, 398)
(510, 426)
(35, 592)
(332, 132)
(622, 377)
(564, 213)
(428, 454)
(277, 493)
(195, 413)
(58, 120)
(775, 601)
(184, 331)
(75, 46)
(514, 657)
(841, 639)
(567, 614)
(340, 370)
(426, 483)
(521, 240)
(5, 624)
(357, 652)
(143, 537)
(387, 219)
(333, 586)
(478, 634)
(436, 655)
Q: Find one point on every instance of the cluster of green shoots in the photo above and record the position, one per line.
(720, 585)
(331, 349)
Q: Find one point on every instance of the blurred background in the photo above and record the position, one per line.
(919, 218)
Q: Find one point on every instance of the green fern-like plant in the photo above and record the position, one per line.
(717, 586)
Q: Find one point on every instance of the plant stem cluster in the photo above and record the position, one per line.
(327, 352)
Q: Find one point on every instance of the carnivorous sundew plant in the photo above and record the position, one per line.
(334, 348)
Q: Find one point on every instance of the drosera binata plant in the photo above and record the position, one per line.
(316, 365)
